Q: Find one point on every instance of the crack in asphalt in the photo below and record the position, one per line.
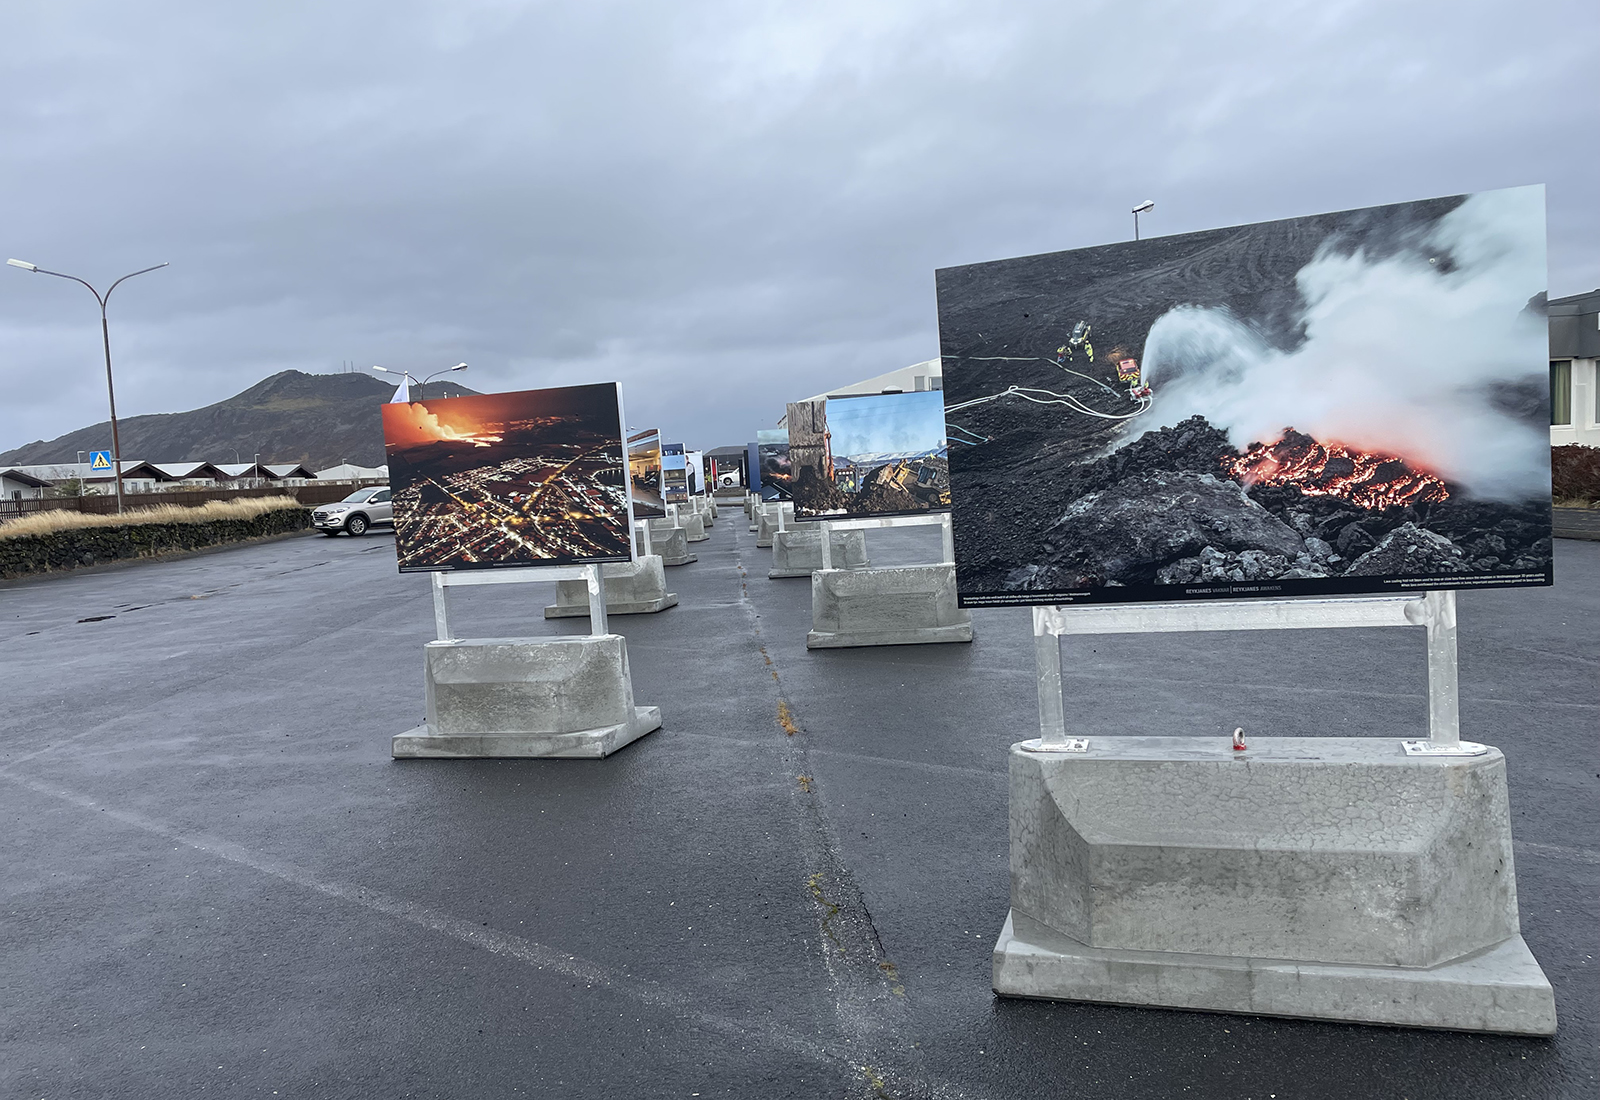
(869, 997)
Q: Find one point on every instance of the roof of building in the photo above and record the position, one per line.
(927, 375)
(1575, 326)
(24, 477)
(183, 471)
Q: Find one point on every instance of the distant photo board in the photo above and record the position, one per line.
(644, 473)
(537, 477)
(772, 454)
(1354, 402)
(872, 455)
(697, 471)
(674, 479)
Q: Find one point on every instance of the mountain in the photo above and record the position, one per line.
(319, 420)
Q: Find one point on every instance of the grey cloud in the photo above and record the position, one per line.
(723, 205)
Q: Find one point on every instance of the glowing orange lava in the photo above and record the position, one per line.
(1365, 479)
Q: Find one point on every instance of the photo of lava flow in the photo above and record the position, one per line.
(644, 473)
(509, 479)
(873, 455)
(1348, 403)
(772, 450)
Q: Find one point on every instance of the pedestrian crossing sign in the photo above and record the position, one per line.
(99, 460)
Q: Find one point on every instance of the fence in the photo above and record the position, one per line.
(310, 494)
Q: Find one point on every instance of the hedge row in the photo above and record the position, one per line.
(27, 554)
(1575, 472)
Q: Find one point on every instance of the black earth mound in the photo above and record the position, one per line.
(1161, 511)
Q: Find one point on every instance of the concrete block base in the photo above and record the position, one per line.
(632, 588)
(1321, 877)
(1500, 989)
(797, 552)
(767, 521)
(527, 697)
(670, 543)
(592, 744)
(907, 605)
(694, 526)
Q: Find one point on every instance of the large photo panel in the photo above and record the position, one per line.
(537, 477)
(772, 462)
(674, 476)
(1352, 402)
(644, 473)
(869, 455)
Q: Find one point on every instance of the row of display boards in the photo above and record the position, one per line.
(1350, 403)
(1337, 404)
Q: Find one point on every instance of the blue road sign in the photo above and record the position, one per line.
(100, 460)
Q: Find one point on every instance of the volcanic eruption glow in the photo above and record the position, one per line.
(1366, 479)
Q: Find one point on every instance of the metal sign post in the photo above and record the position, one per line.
(592, 575)
(865, 523)
(1434, 611)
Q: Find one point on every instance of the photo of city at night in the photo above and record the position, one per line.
(537, 477)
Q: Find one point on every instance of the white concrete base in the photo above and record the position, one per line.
(694, 526)
(767, 521)
(905, 605)
(797, 552)
(527, 697)
(1329, 878)
(1498, 989)
(592, 744)
(670, 541)
(632, 588)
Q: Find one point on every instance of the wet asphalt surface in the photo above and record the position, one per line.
(217, 882)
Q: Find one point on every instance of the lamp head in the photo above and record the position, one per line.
(1145, 207)
(24, 264)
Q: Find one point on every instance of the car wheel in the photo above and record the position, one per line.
(356, 525)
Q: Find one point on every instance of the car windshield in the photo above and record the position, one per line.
(360, 496)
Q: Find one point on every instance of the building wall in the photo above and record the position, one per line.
(17, 490)
(1582, 410)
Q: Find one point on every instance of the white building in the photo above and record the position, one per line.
(18, 485)
(917, 378)
(346, 471)
(1574, 387)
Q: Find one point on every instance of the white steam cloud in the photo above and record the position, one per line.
(1399, 356)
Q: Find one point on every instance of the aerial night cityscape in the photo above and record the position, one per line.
(532, 478)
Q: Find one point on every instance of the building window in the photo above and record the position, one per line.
(1561, 393)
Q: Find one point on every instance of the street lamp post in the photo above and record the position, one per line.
(435, 374)
(105, 335)
(425, 381)
(1143, 208)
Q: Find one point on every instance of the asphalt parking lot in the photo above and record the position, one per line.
(218, 882)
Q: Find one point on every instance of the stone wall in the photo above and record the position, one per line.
(74, 547)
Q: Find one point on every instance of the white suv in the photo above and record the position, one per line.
(360, 510)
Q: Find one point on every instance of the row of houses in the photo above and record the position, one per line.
(34, 481)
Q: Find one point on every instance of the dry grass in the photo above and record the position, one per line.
(44, 523)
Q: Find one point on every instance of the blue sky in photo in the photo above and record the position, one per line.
(886, 423)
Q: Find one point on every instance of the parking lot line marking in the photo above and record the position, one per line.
(529, 952)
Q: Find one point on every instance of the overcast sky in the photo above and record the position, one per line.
(723, 205)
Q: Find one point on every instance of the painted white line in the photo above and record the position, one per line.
(525, 951)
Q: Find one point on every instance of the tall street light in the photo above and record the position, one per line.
(435, 374)
(1143, 208)
(412, 377)
(403, 373)
(105, 335)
